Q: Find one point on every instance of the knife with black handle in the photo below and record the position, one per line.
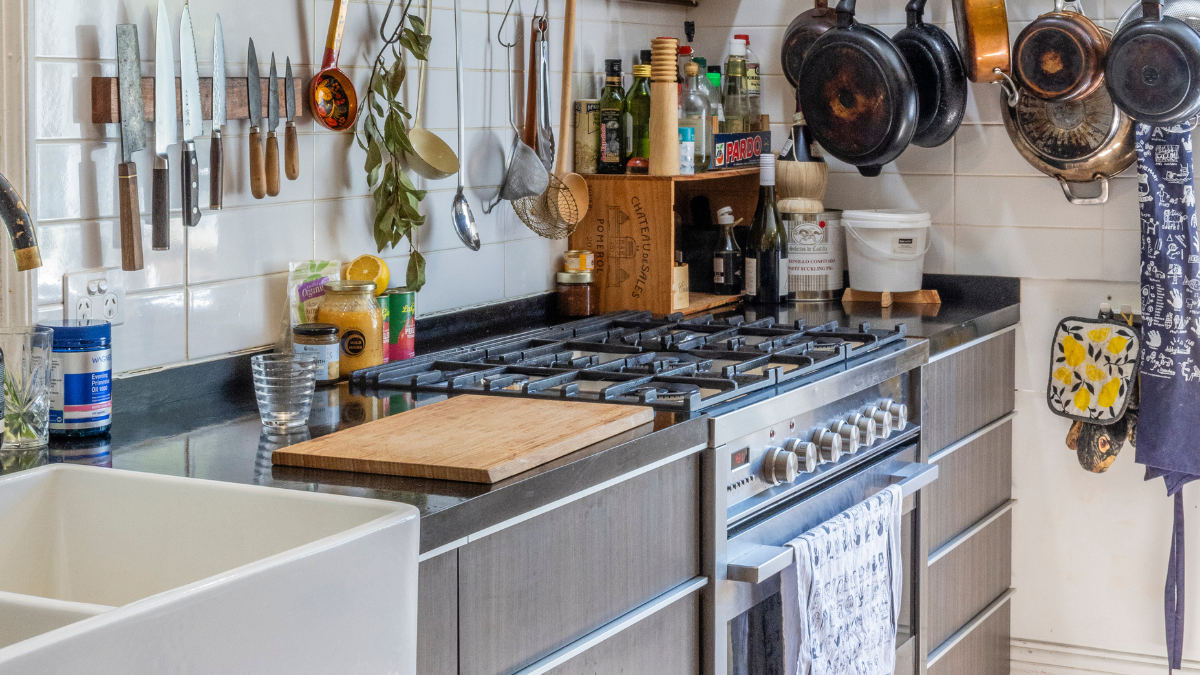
(165, 130)
(193, 121)
(216, 159)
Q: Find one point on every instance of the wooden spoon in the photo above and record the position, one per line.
(576, 185)
(331, 94)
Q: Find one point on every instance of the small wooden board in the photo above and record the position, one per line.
(479, 439)
(887, 298)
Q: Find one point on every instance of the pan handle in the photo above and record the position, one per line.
(1152, 10)
(845, 13)
(1010, 88)
(1086, 201)
(915, 11)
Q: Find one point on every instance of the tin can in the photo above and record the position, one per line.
(402, 307)
(587, 135)
(579, 261)
(816, 255)
(385, 310)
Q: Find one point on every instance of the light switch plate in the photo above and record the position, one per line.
(95, 294)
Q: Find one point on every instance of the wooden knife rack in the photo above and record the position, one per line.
(106, 106)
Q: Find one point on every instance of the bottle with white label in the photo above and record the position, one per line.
(766, 245)
(727, 258)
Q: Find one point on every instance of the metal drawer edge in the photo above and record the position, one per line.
(970, 626)
(971, 531)
(634, 616)
(967, 345)
(969, 438)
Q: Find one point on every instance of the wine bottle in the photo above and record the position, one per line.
(612, 120)
(766, 245)
(727, 258)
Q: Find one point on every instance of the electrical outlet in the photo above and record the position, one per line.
(95, 294)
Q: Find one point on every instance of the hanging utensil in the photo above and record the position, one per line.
(801, 33)
(291, 144)
(258, 173)
(20, 228)
(464, 220)
(982, 27)
(133, 139)
(193, 120)
(331, 94)
(431, 158)
(1153, 68)
(165, 130)
(216, 156)
(1059, 56)
(938, 72)
(542, 138)
(858, 94)
(272, 125)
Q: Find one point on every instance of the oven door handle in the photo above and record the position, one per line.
(763, 562)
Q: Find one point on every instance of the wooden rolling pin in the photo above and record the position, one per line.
(664, 107)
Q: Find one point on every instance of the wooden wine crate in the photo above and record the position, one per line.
(630, 226)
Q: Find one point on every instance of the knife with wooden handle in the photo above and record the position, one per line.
(133, 139)
(193, 121)
(165, 129)
(272, 125)
(216, 159)
(291, 144)
(258, 174)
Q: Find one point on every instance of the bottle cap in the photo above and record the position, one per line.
(702, 62)
(743, 38)
(315, 329)
(79, 333)
(687, 135)
(612, 67)
(766, 169)
(685, 50)
(725, 215)
(574, 277)
(642, 70)
(692, 69)
(737, 47)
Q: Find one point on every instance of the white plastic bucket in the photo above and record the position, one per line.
(885, 248)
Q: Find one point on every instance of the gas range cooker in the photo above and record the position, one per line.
(672, 364)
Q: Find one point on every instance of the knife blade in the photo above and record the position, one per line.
(165, 129)
(193, 121)
(133, 139)
(258, 177)
(216, 158)
(291, 144)
(272, 125)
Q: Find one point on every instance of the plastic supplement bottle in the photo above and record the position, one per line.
(80, 378)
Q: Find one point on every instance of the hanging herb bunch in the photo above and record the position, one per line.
(382, 133)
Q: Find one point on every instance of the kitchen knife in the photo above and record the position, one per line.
(216, 161)
(258, 176)
(193, 121)
(272, 125)
(165, 129)
(291, 144)
(133, 139)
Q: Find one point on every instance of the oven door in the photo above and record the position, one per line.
(757, 553)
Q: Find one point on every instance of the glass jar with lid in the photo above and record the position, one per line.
(351, 306)
(576, 294)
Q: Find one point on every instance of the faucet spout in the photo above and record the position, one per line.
(20, 227)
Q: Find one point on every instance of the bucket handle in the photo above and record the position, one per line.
(875, 254)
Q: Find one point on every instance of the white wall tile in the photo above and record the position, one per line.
(154, 332)
(934, 194)
(1029, 252)
(232, 315)
(1018, 201)
(74, 246)
(248, 242)
(460, 277)
(530, 265)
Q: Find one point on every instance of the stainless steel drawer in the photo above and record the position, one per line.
(966, 389)
(965, 579)
(437, 615)
(982, 650)
(975, 478)
(531, 589)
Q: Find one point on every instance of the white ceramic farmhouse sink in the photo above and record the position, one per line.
(116, 572)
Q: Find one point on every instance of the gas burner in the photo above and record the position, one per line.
(665, 391)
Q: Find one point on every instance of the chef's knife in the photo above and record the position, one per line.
(216, 161)
(272, 125)
(133, 139)
(193, 120)
(258, 176)
(165, 129)
(291, 145)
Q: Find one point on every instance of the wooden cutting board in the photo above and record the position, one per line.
(479, 439)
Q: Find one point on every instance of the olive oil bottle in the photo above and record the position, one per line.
(637, 121)
(612, 120)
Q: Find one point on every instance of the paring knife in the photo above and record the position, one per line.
(193, 121)
(165, 129)
(258, 177)
(272, 125)
(291, 145)
(133, 139)
(216, 161)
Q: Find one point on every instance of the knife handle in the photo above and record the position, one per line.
(131, 217)
(291, 152)
(258, 175)
(190, 196)
(272, 164)
(216, 171)
(161, 206)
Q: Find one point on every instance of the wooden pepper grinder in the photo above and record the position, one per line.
(664, 107)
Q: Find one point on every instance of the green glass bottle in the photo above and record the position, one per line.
(637, 121)
(767, 244)
(612, 120)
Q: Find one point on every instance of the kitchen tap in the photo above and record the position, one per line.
(20, 227)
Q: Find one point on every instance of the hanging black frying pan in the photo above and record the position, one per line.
(1152, 69)
(801, 33)
(938, 71)
(858, 94)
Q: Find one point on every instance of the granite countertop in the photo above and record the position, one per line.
(162, 426)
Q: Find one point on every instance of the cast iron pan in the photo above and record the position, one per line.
(1153, 68)
(858, 94)
(801, 33)
(1059, 56)
(938, 72)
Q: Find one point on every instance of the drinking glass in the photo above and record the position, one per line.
(283, 385)
(27, 353)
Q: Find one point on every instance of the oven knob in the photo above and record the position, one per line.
(883, 421)
(806, 454)
(849, 434)
(866, 427)
(899, 413)
(829, 445)
(780, 466)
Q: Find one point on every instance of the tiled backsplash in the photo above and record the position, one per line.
(221, 286)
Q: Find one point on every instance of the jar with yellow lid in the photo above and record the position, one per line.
(351, 306)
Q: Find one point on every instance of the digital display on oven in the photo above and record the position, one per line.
(740, 458)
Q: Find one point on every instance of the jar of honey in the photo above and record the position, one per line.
(351, 306)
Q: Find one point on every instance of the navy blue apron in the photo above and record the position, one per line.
(1170, 370)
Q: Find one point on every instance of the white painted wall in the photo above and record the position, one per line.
(1089, 551)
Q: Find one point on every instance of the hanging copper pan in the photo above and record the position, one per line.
(983, 38)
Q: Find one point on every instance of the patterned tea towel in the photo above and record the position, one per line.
(841, 597)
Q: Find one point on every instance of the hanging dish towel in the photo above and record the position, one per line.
(841, 596)
(1170, 368)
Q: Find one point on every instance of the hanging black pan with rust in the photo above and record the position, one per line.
(858, 94)
(939, 74)
(801, 33)
(1153, 68)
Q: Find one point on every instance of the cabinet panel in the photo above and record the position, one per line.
(968, 578)
(437, 615)
(534, 587)
(973, 481)
(984, 651)
(666, 643)
(967, 389)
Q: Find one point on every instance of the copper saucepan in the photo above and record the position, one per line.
(1059, 56)
(983, 38)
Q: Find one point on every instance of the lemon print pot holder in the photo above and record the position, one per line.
(1093, 364)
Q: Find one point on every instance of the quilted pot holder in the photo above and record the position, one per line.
(1093, 364)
